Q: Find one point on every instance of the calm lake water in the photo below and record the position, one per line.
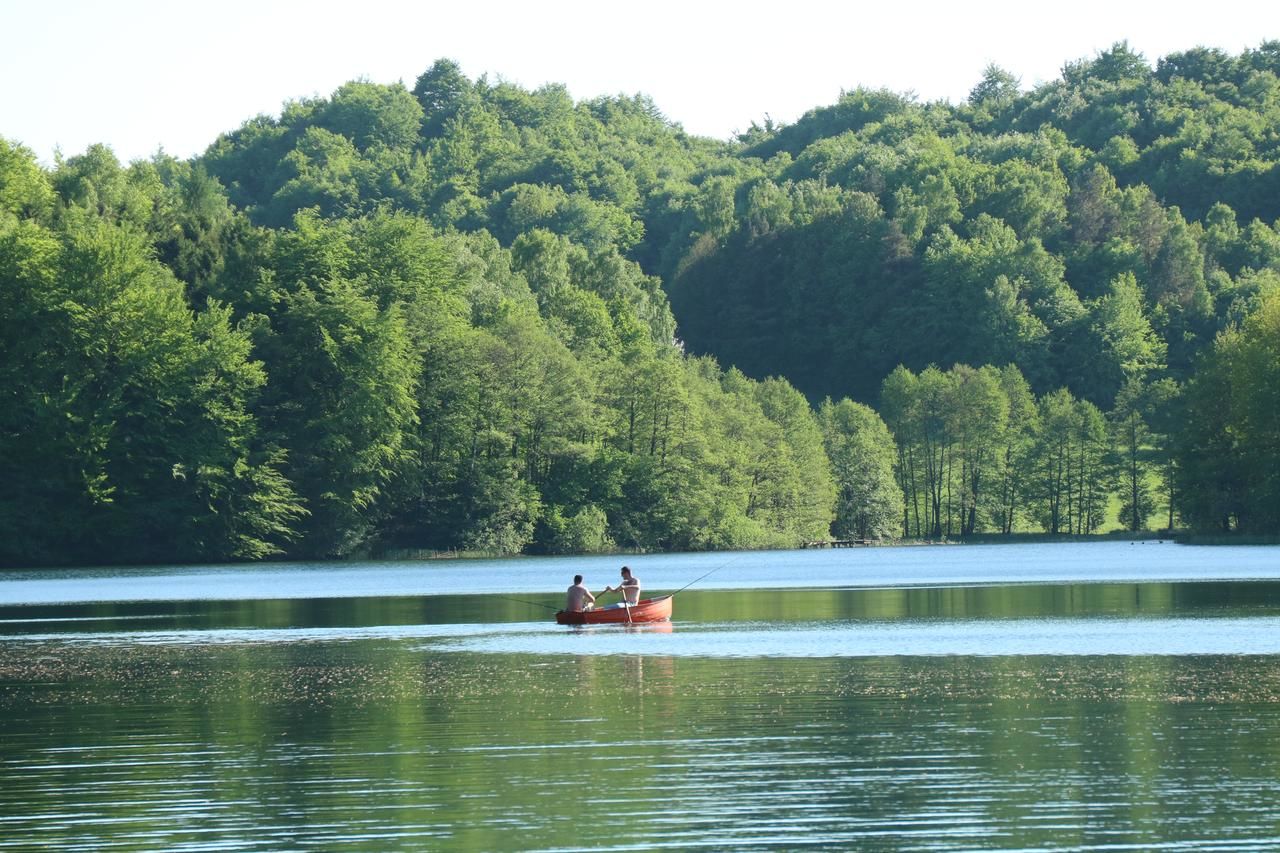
(1046, 697)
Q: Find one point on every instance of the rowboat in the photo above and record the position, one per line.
(645, 610)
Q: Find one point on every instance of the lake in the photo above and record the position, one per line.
(1082, 696)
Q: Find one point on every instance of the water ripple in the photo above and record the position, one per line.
(1128, 637)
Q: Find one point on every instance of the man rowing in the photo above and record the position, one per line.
(629, 586)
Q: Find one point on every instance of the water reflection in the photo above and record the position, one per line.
(694, 607)
(377, 745)
(1067, 716)
(664, 627)
(1132, 637)
(1255, 635)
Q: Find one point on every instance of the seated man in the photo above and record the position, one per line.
(578, 598)
(629, 587)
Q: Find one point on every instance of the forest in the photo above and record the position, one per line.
(467, 316)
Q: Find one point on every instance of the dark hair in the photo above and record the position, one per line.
(627, 569)
(577, 578)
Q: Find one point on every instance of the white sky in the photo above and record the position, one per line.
(139, 75)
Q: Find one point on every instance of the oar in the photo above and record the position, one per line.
(626, 604)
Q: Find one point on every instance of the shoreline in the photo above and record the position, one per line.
(1180, 537)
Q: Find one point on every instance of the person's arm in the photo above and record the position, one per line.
(591, 599)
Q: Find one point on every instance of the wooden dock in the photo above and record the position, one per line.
(839, 543)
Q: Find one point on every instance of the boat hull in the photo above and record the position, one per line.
(646, 610)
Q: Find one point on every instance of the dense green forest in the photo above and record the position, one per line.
(465, 315)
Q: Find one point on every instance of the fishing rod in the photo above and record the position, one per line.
(710, 573)
(522, 601)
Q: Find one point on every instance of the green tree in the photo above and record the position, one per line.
(25, 191)
(800, 503)
(869, 501)
(96, 183)
(997, 88)
(1072, 465)
(441, 90)
(980, 416)
(1129, 348)
(370, 114)
(1015, 453)
(1229, 453)
(898, 403)
(130, 435)
(341, 398)
(1129, 422)
(1059, 423)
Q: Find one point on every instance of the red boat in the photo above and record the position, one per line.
(645, 610)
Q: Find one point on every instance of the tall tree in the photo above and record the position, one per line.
(869, 501)
(130, 435)
(980, 416)
(1129, 421)
(1231, 450)
(1015, 453)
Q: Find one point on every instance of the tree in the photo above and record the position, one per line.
(441, 90)
(24, 188)
(1114, 65)
(370, 114)
(996, 89)
(1071, 464)
(980, 416)
(1059, 423)
(1015, 454)
(128, 433)
(802, 504)
(1013, 290)
(1230, 447)
(898, 402)
(96, 183)
(1129, 422)
(1164, 406)
(341, 398)
(1129, 348)
(869, 501)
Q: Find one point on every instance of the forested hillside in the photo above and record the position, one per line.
(437, 317)
(358, 327)
(1104, 225)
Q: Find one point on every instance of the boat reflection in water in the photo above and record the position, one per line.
(663, 627)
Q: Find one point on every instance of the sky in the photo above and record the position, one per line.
(143, 76)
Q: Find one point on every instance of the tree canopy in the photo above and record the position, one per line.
(472, 315)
